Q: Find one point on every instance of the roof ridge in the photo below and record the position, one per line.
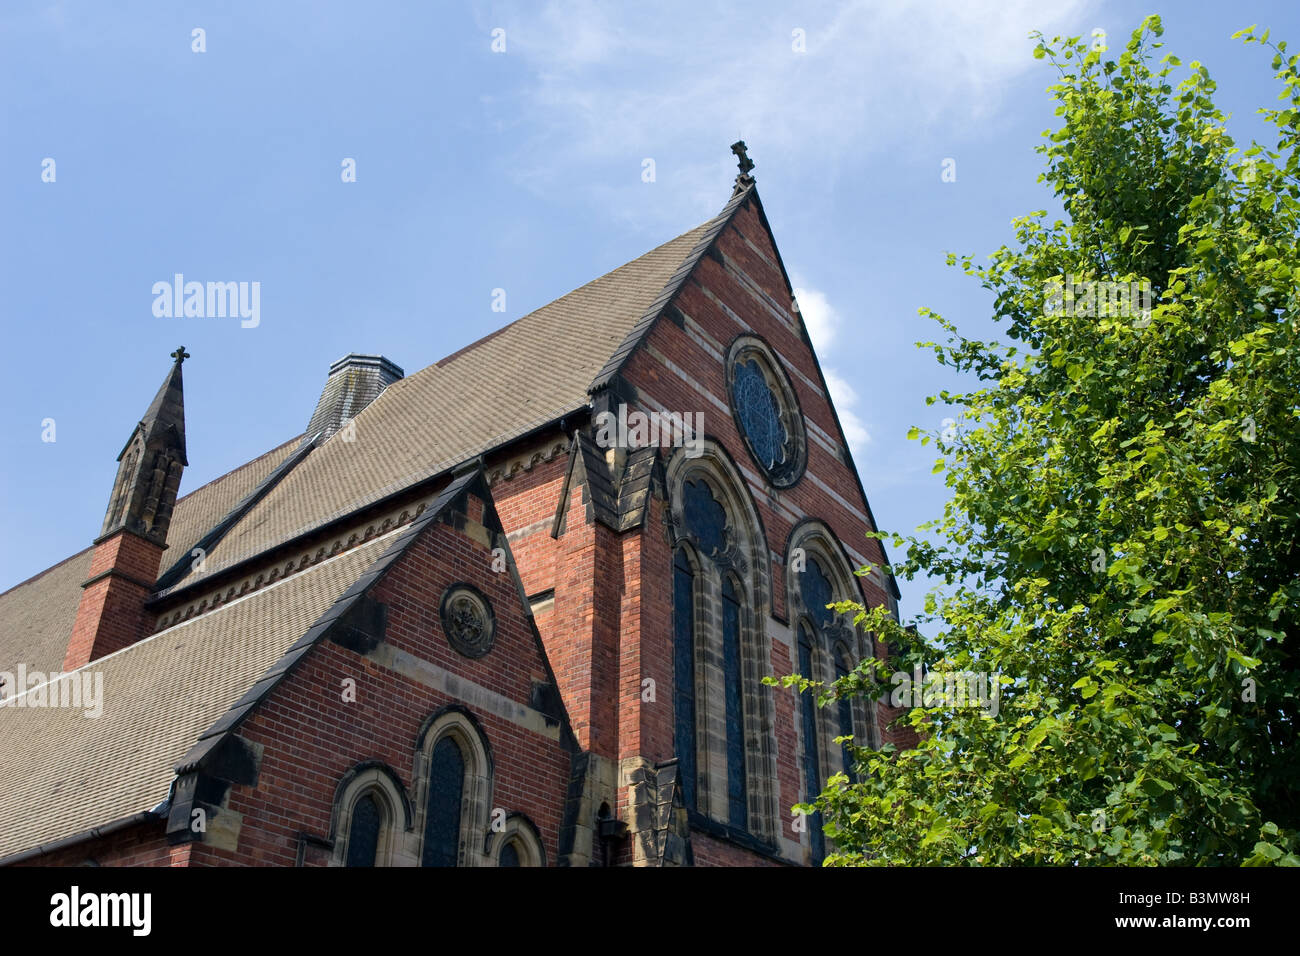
(403, 538)
(227, 474)
(212, 537)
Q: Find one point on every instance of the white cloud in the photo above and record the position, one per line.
(818, 315)
(609, 85)
(845, 400)
(823, 321)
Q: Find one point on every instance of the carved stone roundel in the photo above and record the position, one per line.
(468, 621)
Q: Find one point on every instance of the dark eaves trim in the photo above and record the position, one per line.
(219, 530)
(45, 849)
(614, 367)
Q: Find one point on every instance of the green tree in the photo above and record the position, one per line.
(1121, 540)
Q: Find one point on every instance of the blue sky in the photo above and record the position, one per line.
(477, 170)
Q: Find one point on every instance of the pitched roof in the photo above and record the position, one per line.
(36, 616)
(194, 671)
(66, 772)
(466, 403)
(461, 406)
(204, 507)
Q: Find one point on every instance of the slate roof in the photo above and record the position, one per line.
(36, 616)
(467, 403)
(65, 772)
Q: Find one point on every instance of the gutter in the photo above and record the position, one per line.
(45, 849)
(144, 816)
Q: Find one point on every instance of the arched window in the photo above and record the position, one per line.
(737, 788)
(684, 671)
(844, 711)
(812, 774)
(442, 817)
(453, 790)
(829, 648)
(518, 844)
(363, 837)
(724, 716)
(371, 818)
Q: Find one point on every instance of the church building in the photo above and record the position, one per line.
(434, 630)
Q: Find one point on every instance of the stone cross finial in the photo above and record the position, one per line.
(743, 179)
(180, 355)
(742, 157)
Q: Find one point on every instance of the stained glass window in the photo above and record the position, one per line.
(737, 808)
(759, 414)
(684, 672)
(816, 590)
(442, 817)
(812, 774)
(509, 855)
(706, 519)
(363, 835)
(845, 715)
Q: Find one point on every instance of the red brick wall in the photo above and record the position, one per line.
(312, 737)
(142, 845)
(663, 386)
(526, 504)
(710, 851)
(111, 614)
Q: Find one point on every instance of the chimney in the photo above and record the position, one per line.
(354, 382)
(128, 551)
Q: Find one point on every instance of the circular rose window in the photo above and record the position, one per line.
(467, 620)
(764, 407)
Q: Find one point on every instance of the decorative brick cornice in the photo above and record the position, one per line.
(527, 461)
(278, 570)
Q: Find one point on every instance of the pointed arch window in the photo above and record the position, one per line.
(518, 844)
(442, 817)
(724, 716)
(684, 671)
(737, 789)
(812, 774)
(363, 835)
(818, 577)
(370, 818)
(844, 712)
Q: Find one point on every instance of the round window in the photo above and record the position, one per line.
(764, 407)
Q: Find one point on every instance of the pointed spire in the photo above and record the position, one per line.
(166, 413)
(150, 463)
